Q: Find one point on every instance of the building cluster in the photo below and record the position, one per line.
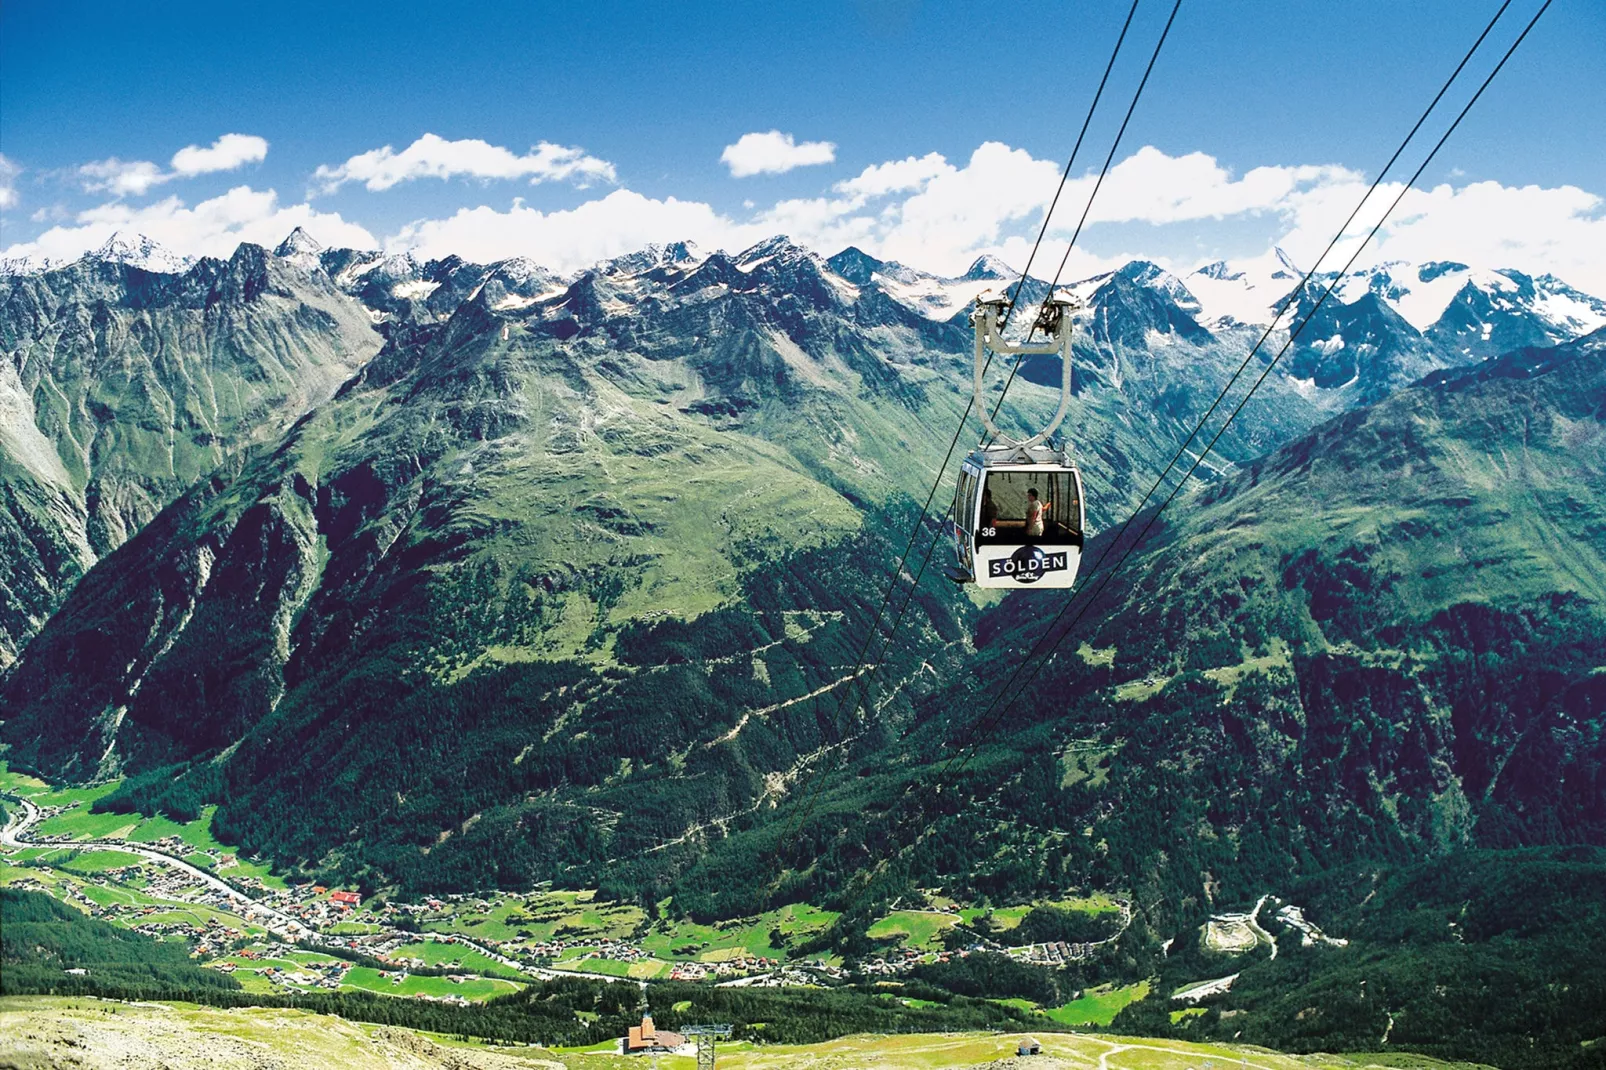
(788, 975)
(1058, 953)
(210, 938)
(1310, 933)
(760, 969)
(903, 959)
(307, 975)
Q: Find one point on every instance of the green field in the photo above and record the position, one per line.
(999, 917)
(541, 915)
(919, 929)
(435, 953)
(261, 962)
(58, 882)
(43, 794)
(1098, 1006)
(606, 967)
(74, 860)
(715, 943)
(1006, 918)
(473, 988)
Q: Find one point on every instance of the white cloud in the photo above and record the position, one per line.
(895, 176)
(966, 211)
(924, 211)
(225, 154)
(8, 182)
(773, 153)
(1559, 230)
(121, 178)
(124, 178)
(1152, 187)
(211, 228)
(432, 156)
(935, 215)
(954, 213)
(929, 213)
(621, 222)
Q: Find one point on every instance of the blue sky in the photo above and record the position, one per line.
(647, 97)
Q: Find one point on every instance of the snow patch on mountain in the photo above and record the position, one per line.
(414, 290)
(1423, 303)
(1247, 292)
(29, 265)
(1568, 308)
(932, 296)
(1243, 292)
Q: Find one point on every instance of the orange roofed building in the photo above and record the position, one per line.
(645, 1038)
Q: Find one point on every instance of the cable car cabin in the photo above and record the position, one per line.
(1018, 519)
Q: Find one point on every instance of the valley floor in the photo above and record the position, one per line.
(38, 1032)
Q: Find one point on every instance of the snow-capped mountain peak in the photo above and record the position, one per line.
(651, 256)
(301, 249)
(989, 267)
(779, 246)
(1219, 271)
(137, 250)
(1239, 292)
(1157, 278)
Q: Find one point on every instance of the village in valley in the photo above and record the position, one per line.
(175, 882)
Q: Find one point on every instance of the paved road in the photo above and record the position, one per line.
(15, 835)
(1254, 923)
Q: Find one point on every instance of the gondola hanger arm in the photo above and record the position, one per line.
(1056, 316)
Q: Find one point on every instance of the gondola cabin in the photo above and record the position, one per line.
(1018, 519)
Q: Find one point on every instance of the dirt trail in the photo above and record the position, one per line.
(816, 693)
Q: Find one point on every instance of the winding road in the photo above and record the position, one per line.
(15, 835)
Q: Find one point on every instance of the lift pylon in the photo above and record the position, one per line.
(705, 1036)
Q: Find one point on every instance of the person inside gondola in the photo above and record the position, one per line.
(1035, 511)
(989, 510)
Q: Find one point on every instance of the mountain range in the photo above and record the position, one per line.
(441, 575)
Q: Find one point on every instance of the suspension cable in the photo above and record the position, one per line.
(973, 746)
(1086, 208)
(855, 676)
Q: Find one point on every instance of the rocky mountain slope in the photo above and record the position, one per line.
(123, 381)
